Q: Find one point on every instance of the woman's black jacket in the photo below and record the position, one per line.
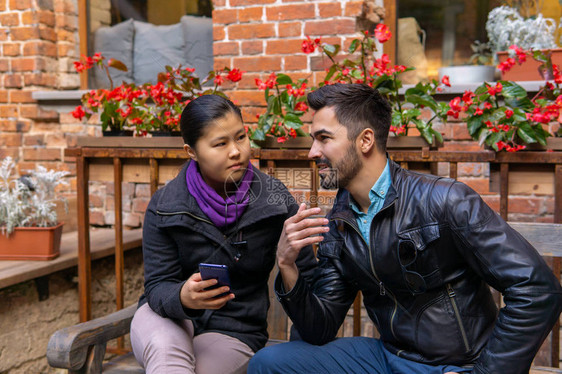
(177, 236)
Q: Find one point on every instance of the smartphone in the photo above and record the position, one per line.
(213, 271)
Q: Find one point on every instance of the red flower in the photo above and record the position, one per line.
(281, 139)
(487, 105)
(301, 106)
(79, 66)
(345, 72)
(219, 80)
(508, 113)
(478, 112)
(308, 45)
(467, 97)
(235, 75)
(293, 133)
(495, 90)
(382, 33)
(78, 112)
(445, 81)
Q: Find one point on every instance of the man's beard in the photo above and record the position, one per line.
(343, 172)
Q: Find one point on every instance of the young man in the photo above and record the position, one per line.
(422, 250)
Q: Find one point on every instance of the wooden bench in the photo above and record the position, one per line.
(81, 348)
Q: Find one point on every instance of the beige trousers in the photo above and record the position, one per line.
(163, 345)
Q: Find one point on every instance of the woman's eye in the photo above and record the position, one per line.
(242, 137)
(219, 144)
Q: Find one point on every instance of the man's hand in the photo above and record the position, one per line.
(193, 294)
(297, 233)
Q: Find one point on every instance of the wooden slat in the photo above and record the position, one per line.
(84, 260)
(103, 245)
(504, 189)
(154, 173)
(453, 170)
(83, 35)
(545, 237)
(558, 194)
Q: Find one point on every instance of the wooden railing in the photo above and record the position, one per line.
(155, 160)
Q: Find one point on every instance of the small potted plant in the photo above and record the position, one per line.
(29, 226)
(521, 23)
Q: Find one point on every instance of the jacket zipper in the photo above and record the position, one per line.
(188, 213)
(452, 296)
(383, 290)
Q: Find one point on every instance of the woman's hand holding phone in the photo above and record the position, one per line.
(195, 293)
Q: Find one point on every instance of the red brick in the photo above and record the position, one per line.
(2, 5)
(290, 29)
(66, 50)
(225, 16)
(24, 33)
(218, 33)
(258, 63)
(140, 204)
(330, 27)
(250, 2)
(37, 113)
(11, 49)
(95, 201)
(65, 21)
(29, 18)
(480, 185)
(34, 139)
(493, 202)
(283, 46)
(56, 139)
(526, 205)
(226, 48)
(296, 63)
(10, 140)
(47, 17)
(48, 33)
(24, 64)
(64, 6)
(132, 220)
(248, 81)
(21, 97)
(43, 79)
(460, 132)
(13, 81)
(470, 169)
(10, 152)
(222, 62)
(327, 10)
(20, 4)
(7, 111)
(247, 97)
(253, 31)
(10, 19)
(3, 34)
(290, 12)
(142, 190)
(4, 64)
(252, 47)
(548, 206)
(97, 218)
(64, 36)
(464, 146)
(249, 114)
(38, 154)
(353, 8)
(250, 14)
(219, 3)
(42, 48)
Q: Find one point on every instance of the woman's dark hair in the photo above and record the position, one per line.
(201, 112)
(357, 107)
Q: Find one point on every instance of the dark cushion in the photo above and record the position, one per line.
(154, 48)
(114, 42)
(198, 36)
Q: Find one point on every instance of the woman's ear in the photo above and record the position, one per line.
(190, 152)
(366, 141)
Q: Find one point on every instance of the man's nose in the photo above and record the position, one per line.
(314, 152)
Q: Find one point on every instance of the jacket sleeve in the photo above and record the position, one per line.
(508, 263)
(318, 305)
(163, 277)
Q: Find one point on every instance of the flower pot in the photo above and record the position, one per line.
(165, 133)
(468, 73)
(31, 243)
(529, 70)
(299, 142)
(409, 143)
(118, 133)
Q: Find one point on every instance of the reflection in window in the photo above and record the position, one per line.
(148, 35)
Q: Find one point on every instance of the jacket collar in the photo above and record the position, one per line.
(342, 210)
(175, 198)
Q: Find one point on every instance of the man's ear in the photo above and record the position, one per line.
(366, 141)
(190, 152)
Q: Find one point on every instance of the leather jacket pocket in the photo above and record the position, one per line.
(418, 262)
(330, 248)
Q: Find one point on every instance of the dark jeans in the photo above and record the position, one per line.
(345, 355)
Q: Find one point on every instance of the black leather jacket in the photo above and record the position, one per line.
(462, 246)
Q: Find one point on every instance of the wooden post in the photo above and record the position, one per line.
(357, 315)
(313, 184)
(153, 176)
(453, 170)
(83, 36)
(119, 259)
(504, 189)
(391, 20)
(84, 260)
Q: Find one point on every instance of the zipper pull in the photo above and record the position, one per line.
(450, 291)
(383, 291)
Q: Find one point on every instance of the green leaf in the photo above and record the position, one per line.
(524, 103)
(526, 133)
(284, 79)
(427, 135)
(258, 135)
(354, 45)
(331, 50)
(513, 90)
(422, 99)
(331, 72)
(473, 124)
(292, 121)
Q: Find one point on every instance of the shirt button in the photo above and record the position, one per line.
(364, 221)
(382, 192)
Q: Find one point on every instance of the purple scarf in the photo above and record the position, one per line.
(220, 211)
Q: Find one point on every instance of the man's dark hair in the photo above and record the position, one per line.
(202, 112)
(357, 107)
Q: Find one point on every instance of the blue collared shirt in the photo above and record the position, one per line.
(376, 195)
